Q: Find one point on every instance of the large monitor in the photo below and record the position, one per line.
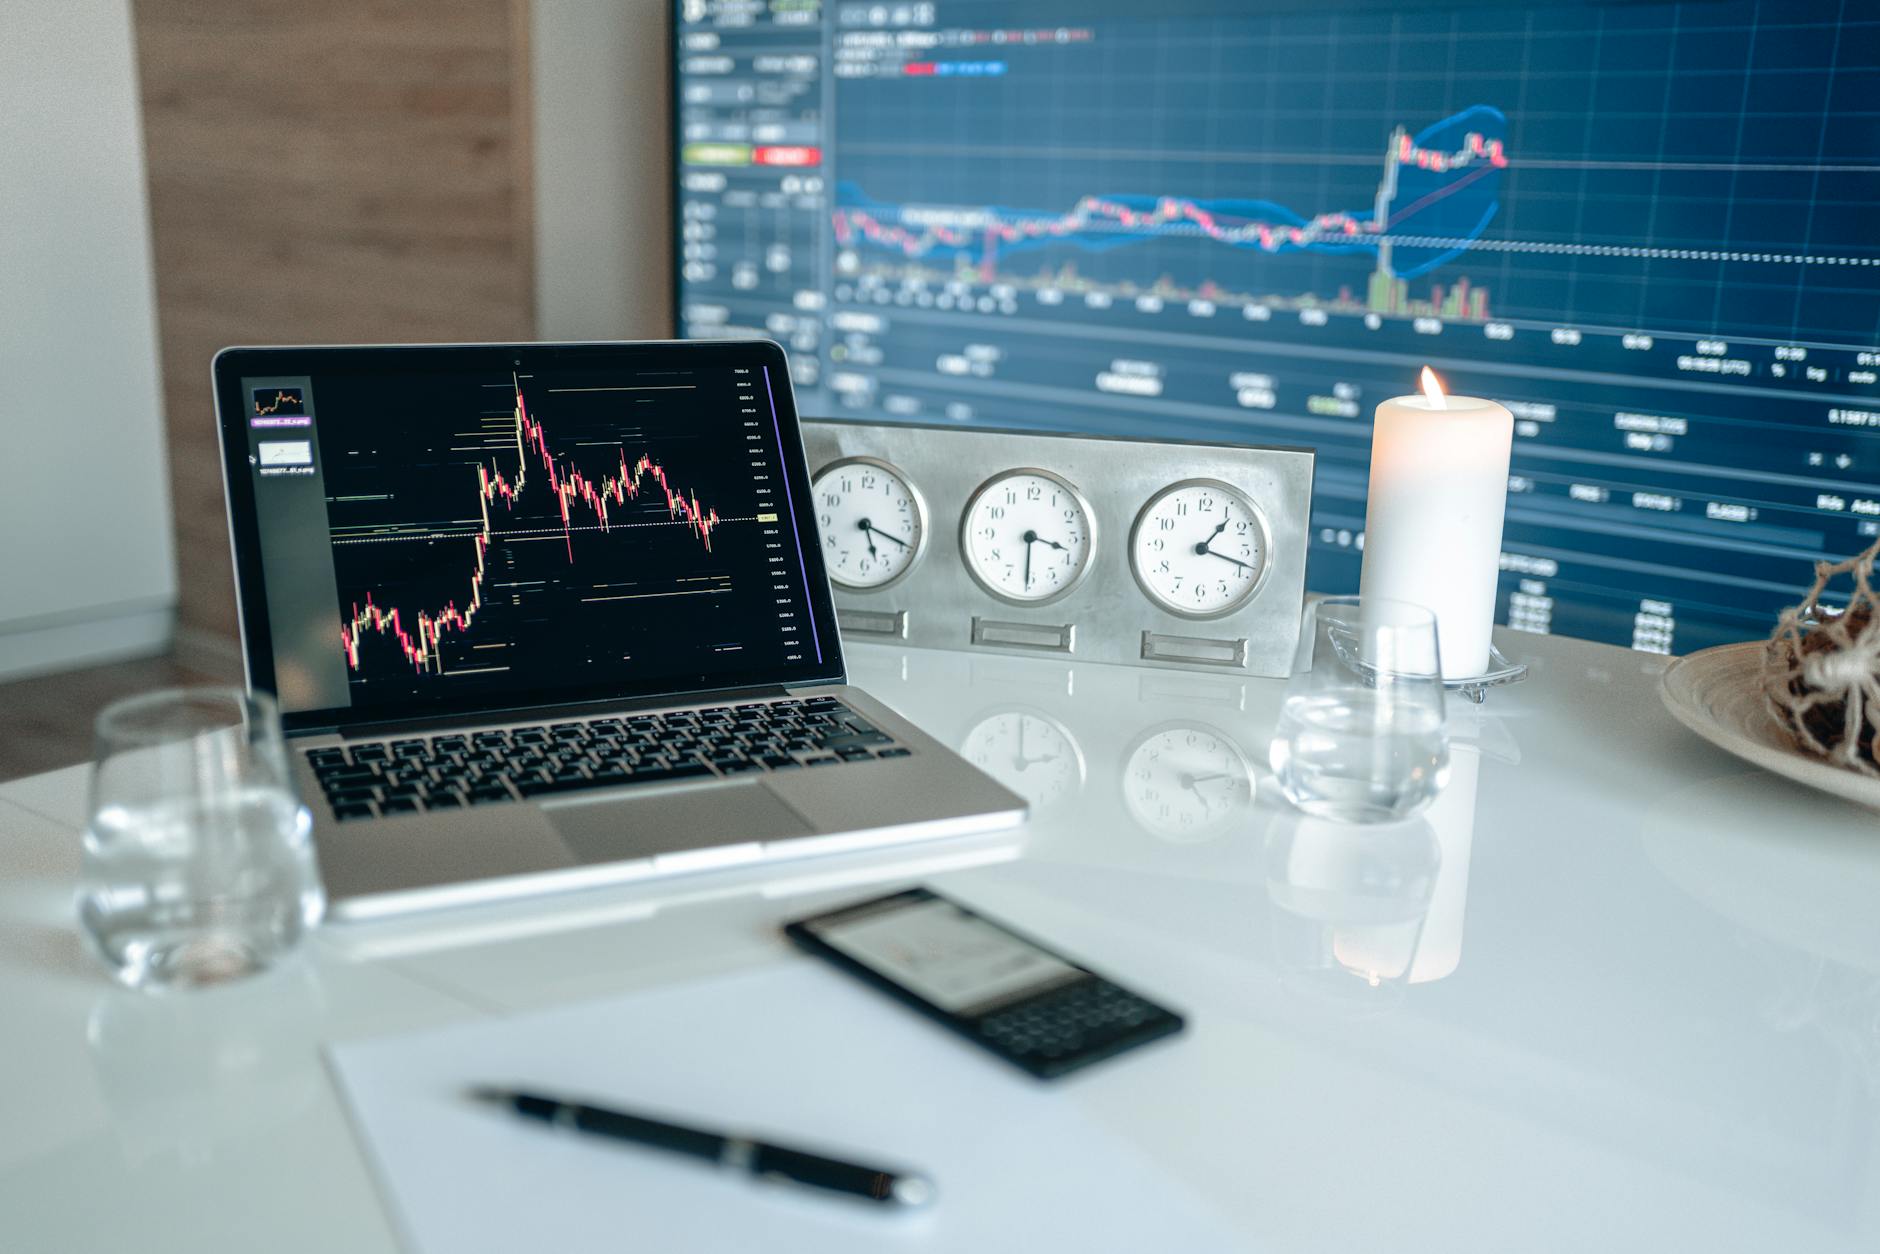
(1649, 229)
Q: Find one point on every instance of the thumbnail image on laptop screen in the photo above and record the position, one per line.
(470, 528)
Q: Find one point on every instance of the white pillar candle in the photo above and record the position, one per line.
(1432, 529)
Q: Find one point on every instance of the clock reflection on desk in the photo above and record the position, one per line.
(1187, 782)
(1031, 753)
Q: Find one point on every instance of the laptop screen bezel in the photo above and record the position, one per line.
(231, 365)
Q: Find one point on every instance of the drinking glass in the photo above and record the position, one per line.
(1360, 736)
(198, 866)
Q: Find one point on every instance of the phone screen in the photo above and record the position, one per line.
(939, 952)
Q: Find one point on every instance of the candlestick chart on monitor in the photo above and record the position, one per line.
(488, 531)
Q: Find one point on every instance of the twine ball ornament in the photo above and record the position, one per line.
(1822, 669)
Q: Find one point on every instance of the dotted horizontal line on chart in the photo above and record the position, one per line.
(536, 533)
(1626, 250)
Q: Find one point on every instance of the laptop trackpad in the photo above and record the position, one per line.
(693, 818)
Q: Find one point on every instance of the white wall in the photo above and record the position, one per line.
(603, 239)
(86, 568)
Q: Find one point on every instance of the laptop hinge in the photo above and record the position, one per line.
(539, 713)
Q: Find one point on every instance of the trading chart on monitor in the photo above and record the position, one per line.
(526, 531)
(1648, 229)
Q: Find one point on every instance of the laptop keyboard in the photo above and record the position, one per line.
(446, 771)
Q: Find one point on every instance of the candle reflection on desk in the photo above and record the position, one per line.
(1385, 903)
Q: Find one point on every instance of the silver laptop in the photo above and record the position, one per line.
(544, 616)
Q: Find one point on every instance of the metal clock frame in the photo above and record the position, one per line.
(1266, 548)
(920, 512)
(1083, 505)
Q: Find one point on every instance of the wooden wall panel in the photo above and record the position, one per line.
(324, 171)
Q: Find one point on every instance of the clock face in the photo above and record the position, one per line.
(1026, 536)
(871, 520)
(1029, 753)
(1199, 549)
(1187, 782)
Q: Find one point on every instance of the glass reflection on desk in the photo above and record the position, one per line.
(227, 1063)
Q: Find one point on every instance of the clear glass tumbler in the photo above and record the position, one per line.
(1360, 736)
(198, 866)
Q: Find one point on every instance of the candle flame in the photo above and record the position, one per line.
(1433, 388)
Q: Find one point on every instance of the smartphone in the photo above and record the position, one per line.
(1004, 992)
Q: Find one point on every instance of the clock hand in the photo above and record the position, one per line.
(1204, 549)
(873, 530)
(1189, 782)
(1226, 514)
(870, 533)
(1030, 538)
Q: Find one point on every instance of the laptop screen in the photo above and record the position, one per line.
(422, 531)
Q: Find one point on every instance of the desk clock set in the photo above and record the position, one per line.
(1170, 554)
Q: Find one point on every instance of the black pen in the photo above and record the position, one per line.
(761, 1159)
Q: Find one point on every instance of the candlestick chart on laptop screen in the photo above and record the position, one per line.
(1646, 228)
(475, 531)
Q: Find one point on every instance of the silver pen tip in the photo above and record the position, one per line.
(913, 1190)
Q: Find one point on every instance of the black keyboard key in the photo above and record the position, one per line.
(410, 749)
(326, 757)
(738, 767)
(352, 810)
(351, 796)
(370, 753)
(896, 752)
(843, 742)
(780, 762)
(398, 805)
(852, 753)
(824, 761)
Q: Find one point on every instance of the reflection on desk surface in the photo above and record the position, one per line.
(1610, 992)
(1561, 956)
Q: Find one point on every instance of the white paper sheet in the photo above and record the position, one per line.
(797, 1053)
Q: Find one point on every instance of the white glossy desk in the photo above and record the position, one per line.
(1617, 992)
